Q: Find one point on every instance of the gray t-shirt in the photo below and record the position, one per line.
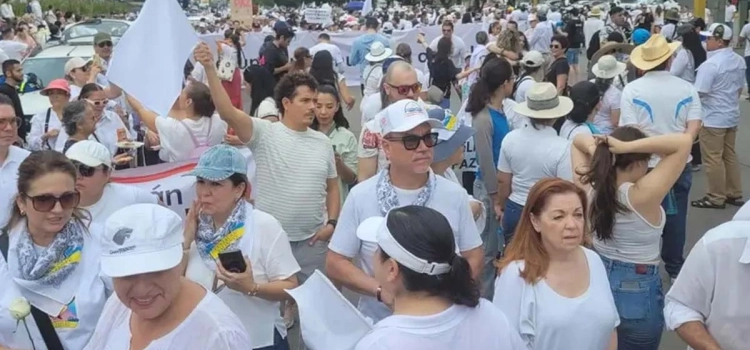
(292, 170)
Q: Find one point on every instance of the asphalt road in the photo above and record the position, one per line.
(699, 220)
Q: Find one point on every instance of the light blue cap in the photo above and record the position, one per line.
(219, 163)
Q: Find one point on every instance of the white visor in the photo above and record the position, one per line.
(390, 246)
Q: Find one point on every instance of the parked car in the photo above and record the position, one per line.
(83, 32)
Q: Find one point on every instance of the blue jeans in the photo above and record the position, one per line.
(511, 216)
(279, 343)
(639, 299)
(747, 71)
(445, 103)
(673, 235)
(491, 241)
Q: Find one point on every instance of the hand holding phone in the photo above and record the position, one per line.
(233, 261)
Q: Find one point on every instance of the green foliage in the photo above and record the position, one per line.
(80, 7)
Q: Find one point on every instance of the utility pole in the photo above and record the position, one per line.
(699, 9)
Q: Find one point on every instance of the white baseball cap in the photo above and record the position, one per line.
(90, 153)
(719, 31)
(403, 116)
(140, 239)
(73, 63)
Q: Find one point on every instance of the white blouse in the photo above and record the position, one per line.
(547, 320)
(76, 322)
(37, 130)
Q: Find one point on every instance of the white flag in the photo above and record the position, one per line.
(367, 7)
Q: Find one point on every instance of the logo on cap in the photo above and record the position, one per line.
(719, 31)
(413, 108)
(122, 235)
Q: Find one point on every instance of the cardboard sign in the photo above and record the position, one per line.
(318, 15)
(241, 10)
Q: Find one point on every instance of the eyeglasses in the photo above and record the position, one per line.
(411, 142)
(555, 46)
(46, 202)
(104, 44)
(13, 121)
(98, 103)
(85, 170)
(404, 89)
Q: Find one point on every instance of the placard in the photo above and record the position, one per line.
(318, 15)
(242, 10)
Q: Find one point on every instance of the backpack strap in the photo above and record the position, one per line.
(192, 136)
(190, 133)
(42, 320)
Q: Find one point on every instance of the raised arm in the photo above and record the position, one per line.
(235, 118)
(147, 116)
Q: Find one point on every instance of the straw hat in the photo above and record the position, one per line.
(543, 102)
(608, 67)
(595, 12)
(653, 52)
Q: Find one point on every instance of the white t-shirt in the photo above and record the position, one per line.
(14, 49)
(729, 13)
(448, 198)
(603, 118)
(370, 106)
(458, 327)
(523, 87)
(267, 247)
(547, 320)
(267, 108)
(745, 35)
(211, 325)
(116, 196)
(570, 129)
(338, 59)
(371, 77)
(176, 143)
(76, 321)
(9, 180)
(75, 91)
(550, 158)
(38, 121)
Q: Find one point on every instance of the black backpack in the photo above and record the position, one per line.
(594, 45)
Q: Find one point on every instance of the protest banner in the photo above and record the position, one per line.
(318, 15)
(241, 10)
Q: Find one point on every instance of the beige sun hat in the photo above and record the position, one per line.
(608, 67)
(543, 102)
(653, 52)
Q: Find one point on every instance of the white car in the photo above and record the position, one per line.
(83, 32)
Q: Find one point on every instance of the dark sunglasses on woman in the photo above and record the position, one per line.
(46, 202)
(85, 170)
(404, 89)
(411, 142)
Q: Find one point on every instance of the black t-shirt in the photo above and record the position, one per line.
(275, 57)
(12, 93)
(442, 73)
(558, 67)
(574, 28)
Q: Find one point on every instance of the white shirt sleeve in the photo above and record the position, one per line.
(260, 128)
(689, 299)
(34, 138)
(694, 108)
(468, 235)
(280, 264)
(628, 114)
(503, 161)
(680, 63)
(509, 298)
(344, 240)
(704, 77)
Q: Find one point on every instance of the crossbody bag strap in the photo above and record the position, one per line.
(42, 320)
(192, 137)
(46, 126)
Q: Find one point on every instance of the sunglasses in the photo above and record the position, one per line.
(14, 121)
(104, 44)
(46, 202)
(411, 142)
(404, 89)
(85, 170)
(98, 103)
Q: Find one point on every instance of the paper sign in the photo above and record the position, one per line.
(318, 16)
(327, 318)
(148, 64)
(242, 10)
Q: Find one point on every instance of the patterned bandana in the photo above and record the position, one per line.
(211, 242)
(387, 198)
(50, 265)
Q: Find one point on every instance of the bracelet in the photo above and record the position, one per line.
(378, 294)
(256, 289)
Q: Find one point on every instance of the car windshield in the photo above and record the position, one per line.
(46, 69)
(89, 29)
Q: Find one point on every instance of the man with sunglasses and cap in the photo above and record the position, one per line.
(99, 195)
(10, 155)
(408, 141)
(103, 45)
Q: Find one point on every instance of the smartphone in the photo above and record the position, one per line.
(233, 261)
(334, 149)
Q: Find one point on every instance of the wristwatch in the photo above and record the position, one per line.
(332, 222)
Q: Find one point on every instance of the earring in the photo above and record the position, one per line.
(23, 213)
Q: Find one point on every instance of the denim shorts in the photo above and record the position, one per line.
(572, 56)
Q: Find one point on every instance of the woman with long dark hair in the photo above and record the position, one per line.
(261, 84)
(231, 48)
(627, 220)
(443, 72)
(323, 71)
(431, 288)
(330, 120)
(690, 56)
(586, 101)
(302, 60)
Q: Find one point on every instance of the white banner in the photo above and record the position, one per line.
(318, 15)
(467, 33)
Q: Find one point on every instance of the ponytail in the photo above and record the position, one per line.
(458, 285)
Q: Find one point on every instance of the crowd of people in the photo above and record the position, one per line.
(555, 242)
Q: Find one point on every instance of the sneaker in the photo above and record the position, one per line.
(695, 168)
(290, 312)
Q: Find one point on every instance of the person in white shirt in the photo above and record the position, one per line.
(36, 11)
(324, 44)
(372, 75)
(745, 37)
(50, 258)
(707, 303)
(729, 12)
(627, 220)
(691, 55)
(458, 50)
(672, 106)
(520, 166)
(608, 72)
(435, 301)
(586, 101)
(154, 306)
(14, 49)
(188, 137)
(555, 292)
(46, 125)
(10, 155)
(540, 36)
(407, 140)
(99, 196)
(6, 11)
(532, 70)
(223, 220)
(720, 81)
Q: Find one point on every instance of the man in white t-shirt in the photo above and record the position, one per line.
(99, 196)
(729, 12)
(142, 251)
(745, 36)
(408, 139)
(324, 44)
(459, 49)
(660, 103)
